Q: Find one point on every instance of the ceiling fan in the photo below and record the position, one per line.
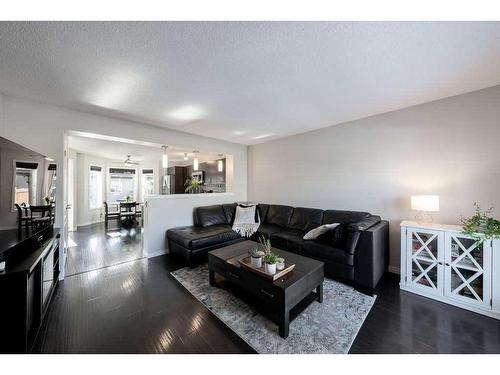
(128, 161)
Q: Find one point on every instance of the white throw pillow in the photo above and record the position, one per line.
(245, 215)
(316, 232)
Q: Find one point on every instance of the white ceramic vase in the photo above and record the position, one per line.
(256, 262)
(270, 268)
(281, 264)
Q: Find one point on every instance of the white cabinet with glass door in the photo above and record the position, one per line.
(440, 262)
(467, 270)
(425, 261)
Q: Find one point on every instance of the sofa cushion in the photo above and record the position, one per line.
(343, 217)
(266, 230)
(336, 237)
(327, 253)
(352, 241)
(305, 219)
(199, 237)
(229, 210)
(288, 240)
(262, 209)
(279, 215)
(318, 231)
(211, 215)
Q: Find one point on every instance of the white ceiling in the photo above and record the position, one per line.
(118, 150)
(247, 82)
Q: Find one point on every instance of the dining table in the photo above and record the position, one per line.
(116, 208)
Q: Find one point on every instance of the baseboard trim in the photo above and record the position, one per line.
(156, 253)
(393, 269)
(89, 223)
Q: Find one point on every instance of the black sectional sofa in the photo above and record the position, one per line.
(356, 251)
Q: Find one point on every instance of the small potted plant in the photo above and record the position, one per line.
(256, 257)
(270, 261)
(281, 264)
(47, 200)
(266, 244)
(193, 186)
(481, 226)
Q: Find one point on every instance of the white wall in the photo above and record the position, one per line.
(41, 127)
(448, 147)
(182, 205)
(84, 214)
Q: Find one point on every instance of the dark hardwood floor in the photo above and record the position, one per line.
(403, 322)
(134, 307)
(137, 307)
(95, 249)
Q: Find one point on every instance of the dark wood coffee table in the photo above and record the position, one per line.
(300, 286)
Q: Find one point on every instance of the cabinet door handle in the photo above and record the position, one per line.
(447, 264)
(441, 263)
(234, 275)
(267, 293)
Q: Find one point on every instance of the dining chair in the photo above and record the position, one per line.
(109, 215)
(41, 216)
(139, 213)
(22, 217)
(128, 213)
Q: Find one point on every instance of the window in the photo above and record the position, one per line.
(95, 187)
(25, 183)
(121, 184)
(51, 182)
(148, 183)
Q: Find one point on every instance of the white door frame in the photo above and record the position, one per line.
(71, 195)
(64, 227)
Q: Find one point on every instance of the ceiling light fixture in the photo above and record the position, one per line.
(195, 160)
(185, 156)
(187, 113)
(220, 164)
(164, 158)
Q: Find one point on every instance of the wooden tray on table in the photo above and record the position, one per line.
(246, 263)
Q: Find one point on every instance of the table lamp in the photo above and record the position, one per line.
(424, 204)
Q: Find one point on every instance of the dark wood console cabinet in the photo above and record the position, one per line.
(26, 286)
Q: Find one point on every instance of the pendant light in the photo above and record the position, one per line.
(185, 156)
(164, 159)
(195, 161)
(220, 164)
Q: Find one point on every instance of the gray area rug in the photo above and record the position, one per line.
(328, 327)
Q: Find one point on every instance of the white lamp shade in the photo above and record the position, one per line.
(428, 203)
(220, 166)
(195, 163)
(164, 161)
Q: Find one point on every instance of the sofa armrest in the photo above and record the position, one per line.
(372, 255)
(366, 223)
(354, 231)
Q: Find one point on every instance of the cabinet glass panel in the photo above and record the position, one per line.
(467, 273)
(424, 267)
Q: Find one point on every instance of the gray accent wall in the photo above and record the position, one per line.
(450, 147)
